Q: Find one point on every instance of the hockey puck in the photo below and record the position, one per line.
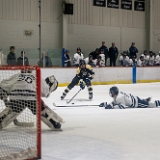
(72, 103)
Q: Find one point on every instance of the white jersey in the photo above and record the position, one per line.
(141, 63)
(100, 63)
(151, 61)
(77, 57)
(132, 63)
(124, 61)
(102, 57)
(22, 86)
(157, 60)
(146, 59)
(125, 100)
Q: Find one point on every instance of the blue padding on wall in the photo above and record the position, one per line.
(134, 74)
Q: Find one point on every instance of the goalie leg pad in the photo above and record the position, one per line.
(6, 117)
(50, 118)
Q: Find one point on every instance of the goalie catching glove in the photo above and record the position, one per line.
(52, 83)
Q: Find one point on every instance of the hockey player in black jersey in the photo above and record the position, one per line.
(19, 92)
(122, 100)
(84, 75)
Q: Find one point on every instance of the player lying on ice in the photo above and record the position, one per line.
(123, 100)
(19, 92)
(84, 75)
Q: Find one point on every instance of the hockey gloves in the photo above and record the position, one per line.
(107, 106)
(104, 104)
(82, 86)
(87, 80)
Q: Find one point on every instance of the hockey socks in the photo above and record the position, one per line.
(64, 93)
(90, 90)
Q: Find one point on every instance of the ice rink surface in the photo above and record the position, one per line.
(93, 133)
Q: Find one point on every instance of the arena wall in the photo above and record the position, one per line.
(106, 75)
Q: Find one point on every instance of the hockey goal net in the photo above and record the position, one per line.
(20, 139)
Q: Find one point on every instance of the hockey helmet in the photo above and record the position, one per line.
(78, 49)
(82, 64)
(113, 91)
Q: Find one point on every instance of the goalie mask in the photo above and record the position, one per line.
(52, 83)
(113, 91)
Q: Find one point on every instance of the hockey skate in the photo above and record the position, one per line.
(63, 96)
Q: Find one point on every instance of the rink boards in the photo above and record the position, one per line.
(106, 75)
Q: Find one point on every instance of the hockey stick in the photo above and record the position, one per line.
(83, 105)
(73, 97)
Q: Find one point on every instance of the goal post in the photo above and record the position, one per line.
(21, 138)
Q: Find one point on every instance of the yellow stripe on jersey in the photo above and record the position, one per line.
(78, 70)
(88, 67)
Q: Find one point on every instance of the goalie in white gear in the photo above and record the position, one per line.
(123, 100)
(21, 90)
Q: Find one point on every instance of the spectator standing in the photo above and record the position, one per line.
(151, 59)
(133, 50)
(113, 54)
(158, 59)
(124, 59)
(95, 54)
(67, 61)
(89, 60)
(77, 57)
(45, 61)
(22, 60)
(104, 47)
(11, 57)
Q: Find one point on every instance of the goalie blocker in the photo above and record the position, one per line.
(14, 107)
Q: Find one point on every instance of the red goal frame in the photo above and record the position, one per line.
(38, 92)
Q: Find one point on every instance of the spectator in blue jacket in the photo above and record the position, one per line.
(104, 47)
(11, 57)
(20, 61)
(113, 54)
(133, 50)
